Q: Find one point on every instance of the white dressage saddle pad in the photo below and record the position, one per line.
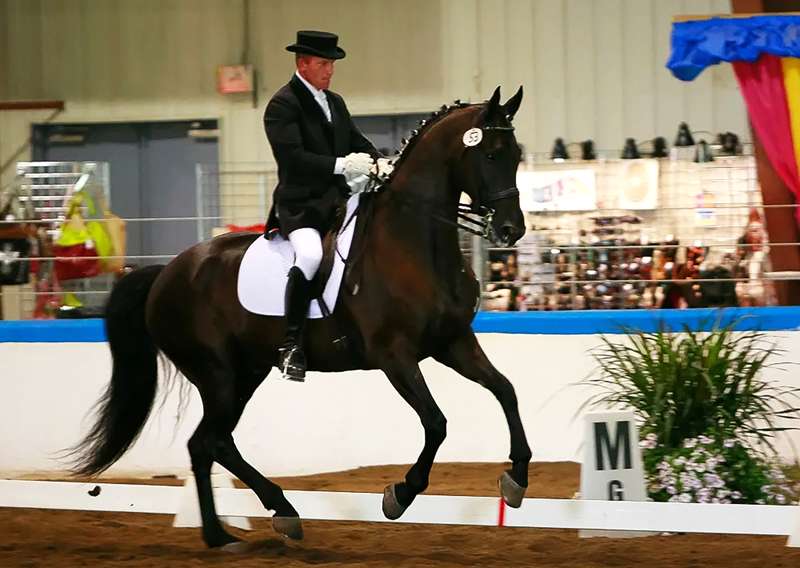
(263, 273)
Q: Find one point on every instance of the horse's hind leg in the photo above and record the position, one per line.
(286, 521)
(466, 357)
(201, 453)
(406, 377)
(224, 400)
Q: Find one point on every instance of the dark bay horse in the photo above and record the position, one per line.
(416, 298)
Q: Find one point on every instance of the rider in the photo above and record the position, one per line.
(318, 149)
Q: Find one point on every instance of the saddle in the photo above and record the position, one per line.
(261, 280)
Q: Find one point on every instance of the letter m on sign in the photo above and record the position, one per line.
(604, 446)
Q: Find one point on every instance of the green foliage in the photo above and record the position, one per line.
(694, 383)
(707, 418)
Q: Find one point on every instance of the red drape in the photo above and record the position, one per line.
(764, 93)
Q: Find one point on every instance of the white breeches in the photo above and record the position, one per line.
(307, 245)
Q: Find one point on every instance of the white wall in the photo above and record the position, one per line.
(590, 68)
(331, 422)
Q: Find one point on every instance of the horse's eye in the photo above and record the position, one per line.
(490, 156)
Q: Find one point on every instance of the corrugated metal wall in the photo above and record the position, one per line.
(590, 68)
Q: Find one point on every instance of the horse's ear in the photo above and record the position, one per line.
(512, 105)
(494, 102)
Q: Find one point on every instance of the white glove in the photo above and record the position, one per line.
(356, 164)
(385, 167)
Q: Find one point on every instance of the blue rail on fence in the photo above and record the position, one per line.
(550, 323)
(618, 321)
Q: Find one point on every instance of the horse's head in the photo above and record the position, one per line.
(487, 167)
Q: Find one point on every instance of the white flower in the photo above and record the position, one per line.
(736, 495)
(685, 498)
(705, 440)
(781, 499)
(689, 443)
(729, 443)
(777, 475)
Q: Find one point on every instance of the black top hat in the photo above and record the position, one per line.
(321, 44)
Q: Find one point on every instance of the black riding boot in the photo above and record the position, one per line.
(291, 359)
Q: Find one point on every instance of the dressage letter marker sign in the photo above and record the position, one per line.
(612, 464)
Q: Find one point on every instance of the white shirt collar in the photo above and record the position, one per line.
(316, 93)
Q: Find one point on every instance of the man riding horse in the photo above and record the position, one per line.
(413, 296)
(318, 149)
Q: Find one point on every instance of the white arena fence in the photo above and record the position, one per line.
(429, 509)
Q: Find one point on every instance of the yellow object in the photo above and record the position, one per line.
(791, 83)
(99, 235)
(72, 301)
(116, 231)
(107, 235)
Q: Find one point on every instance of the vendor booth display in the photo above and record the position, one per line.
(662, 233)
(764, 51)
(76, 244)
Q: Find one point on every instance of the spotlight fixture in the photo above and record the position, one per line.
(684, 137)
(659, 147)
(559, 152)
(729, 143)
(587, 150)
(703, 153)
(630, 151)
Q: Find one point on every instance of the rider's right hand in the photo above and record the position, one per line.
(357, 163)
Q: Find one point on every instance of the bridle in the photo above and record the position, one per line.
(475, 218)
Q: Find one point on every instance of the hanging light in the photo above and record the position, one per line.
(729, 143)
(659, 147)
(587, 150)
(559, 152)
(630, 151)
(703, 153)
(684, 137)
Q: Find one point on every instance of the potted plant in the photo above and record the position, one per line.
(707, 417)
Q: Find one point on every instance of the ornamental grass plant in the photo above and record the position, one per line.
(707, 418)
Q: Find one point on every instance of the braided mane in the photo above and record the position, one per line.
(424, 126)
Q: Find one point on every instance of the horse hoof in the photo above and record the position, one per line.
(392, 509)
(236, 547)
(290, 527)
(511, 492)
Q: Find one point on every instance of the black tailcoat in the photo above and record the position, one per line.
(305, 146)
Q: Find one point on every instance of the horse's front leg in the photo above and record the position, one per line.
(405, 376)
(466, 357)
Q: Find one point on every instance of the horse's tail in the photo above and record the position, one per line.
(125, 406)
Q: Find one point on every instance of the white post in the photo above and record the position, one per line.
(612, 464)
(794, 536)
(188, 515)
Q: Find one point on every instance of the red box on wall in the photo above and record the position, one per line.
(234, 79)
